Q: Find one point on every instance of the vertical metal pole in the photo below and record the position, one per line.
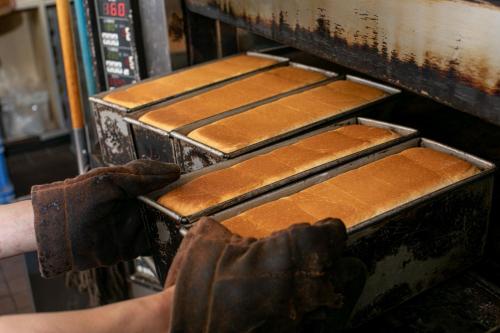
(73, 88)
(154, 30)
(85, 47)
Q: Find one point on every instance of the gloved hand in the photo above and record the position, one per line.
(94, 219)
(291, 281)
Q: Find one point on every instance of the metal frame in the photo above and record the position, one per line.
(450, 58)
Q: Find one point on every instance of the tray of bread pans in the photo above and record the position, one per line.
(192, 155)
(407, 250)
(164, 224)
(404, 133)
(412, 247)
(156, 144)
(114, 134)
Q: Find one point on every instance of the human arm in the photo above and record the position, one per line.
(17, 232)
(149, 314)
(293, 281)
(88, 221)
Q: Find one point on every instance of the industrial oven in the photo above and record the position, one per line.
(438, 65)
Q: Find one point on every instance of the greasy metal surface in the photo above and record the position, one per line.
(459, 130)
(164, 240)
(448, 50)
(421, 246)
(404, 132)
(414, 246)
(152, 145)
(191, 158)
(465, 304)
(193, 155)
(115, 137)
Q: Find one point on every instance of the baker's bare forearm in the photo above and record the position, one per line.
(17, 231)
(149, 314)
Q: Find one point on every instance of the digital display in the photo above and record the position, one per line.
(113, 55)
(117, 41)
(109, 26)
(114, 9)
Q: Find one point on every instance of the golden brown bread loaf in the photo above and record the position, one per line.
(359, 194)
(284, 115)
(225, 184)
(167, 86)
(231, 96)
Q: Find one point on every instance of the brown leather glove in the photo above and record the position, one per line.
(94, 219)
(291, 281)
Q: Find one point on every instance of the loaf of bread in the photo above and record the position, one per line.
(219, 186)
(284, 115)
(186, 80)
(231, 96)
(359, 194)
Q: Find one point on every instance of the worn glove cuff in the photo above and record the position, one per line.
(53, 243)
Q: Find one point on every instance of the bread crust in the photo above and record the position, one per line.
(167, 86)
(359, 194)
(231, 96)
(285, 115)
(262, 170)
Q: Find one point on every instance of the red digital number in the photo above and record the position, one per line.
(121, 9)
(114, 9)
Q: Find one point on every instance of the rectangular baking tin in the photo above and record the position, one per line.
(156, 144)
(404, 132)
(192, 155)
(414, 246)
(114, 133)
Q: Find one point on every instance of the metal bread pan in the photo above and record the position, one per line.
(404, 132)
(192, 155)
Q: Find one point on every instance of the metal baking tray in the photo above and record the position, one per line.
(417, 245)
(404, 132)
(406, 250)
(192, 155)
(114, 134)
(156, 144)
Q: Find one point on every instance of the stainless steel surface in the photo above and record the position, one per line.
(404, 132)
(193, 155)
(82, 153)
